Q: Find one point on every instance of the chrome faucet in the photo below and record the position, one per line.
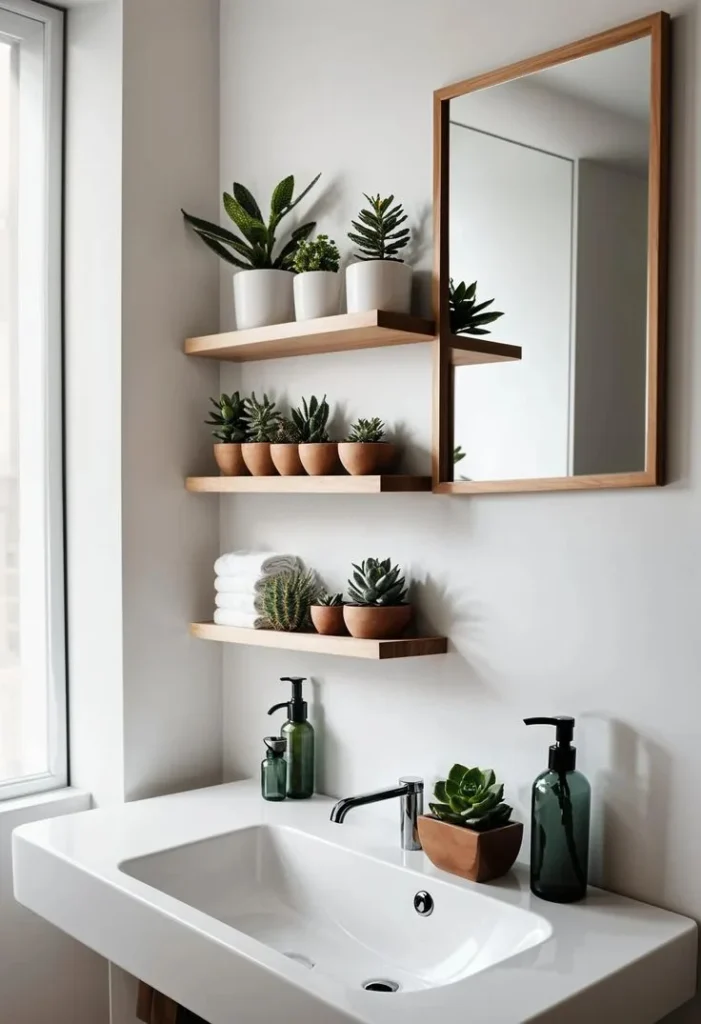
(411, 794)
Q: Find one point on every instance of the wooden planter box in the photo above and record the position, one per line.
(477, 856)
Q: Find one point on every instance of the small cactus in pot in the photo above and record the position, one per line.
(284, 449)
(263, 421)
(378, 607)
(230, 420)
(365, 451)
(327, 615)
(319, 455)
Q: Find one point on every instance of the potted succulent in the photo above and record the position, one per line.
(231, 422)
(469, 831)
(381, 279)
(327, 615)
(286, 598)
(263, 294)
(263, 419)
(467, 316)
(316, 286)
(284, 449)
(365, 451)
(378, 608)
(319, 455)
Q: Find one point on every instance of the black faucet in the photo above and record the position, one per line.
(411, 794)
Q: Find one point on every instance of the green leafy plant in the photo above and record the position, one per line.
(471, 797)
(458, 454)
(311, 419)
(330, 600)
(320, 253)
(263, 419)
(286, 598)
(230, 418)
(375, 232)
(286, 432)
(364, 431)
(256, 250)
(467, 316)
(377, 583)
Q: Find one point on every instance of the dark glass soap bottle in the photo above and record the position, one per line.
(560, 814)
(299, 735)
(273, 769)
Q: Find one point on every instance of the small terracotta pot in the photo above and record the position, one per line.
(328, 619)
(256, 455)
(477, 856)
(370, 622)
(364, 458)
(319, 458)
(286, 459)
(229, 458)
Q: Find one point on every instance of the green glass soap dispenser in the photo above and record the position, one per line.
(299, 734)
(560, 814)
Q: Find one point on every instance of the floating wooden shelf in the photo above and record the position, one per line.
(387, 484)
(467, 351)
(314, 643)
(343, 333)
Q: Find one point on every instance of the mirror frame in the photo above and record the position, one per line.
(657, 28)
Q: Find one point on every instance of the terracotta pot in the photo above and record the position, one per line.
(229, 458)
(364, 458)
(286, 459)
(477, 856)
(319, 458)
(256, 455)
(328, 619)
(370, 622)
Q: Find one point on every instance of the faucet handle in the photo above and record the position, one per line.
(414, 782)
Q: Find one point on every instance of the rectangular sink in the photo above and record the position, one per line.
(338, 912)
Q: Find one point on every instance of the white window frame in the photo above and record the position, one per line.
(39, 32)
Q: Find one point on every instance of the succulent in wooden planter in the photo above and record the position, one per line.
(327, 615)
(263, 420)
(378, 608)
(284, 449)
(365, 450)
(319, 455)
(230, 420)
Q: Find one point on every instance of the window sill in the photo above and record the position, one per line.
(56, 801)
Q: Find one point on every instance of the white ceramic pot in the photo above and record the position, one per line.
(263, 297)
(316, 294)
(378, 284)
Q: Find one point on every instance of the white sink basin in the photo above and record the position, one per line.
(338, 912)
(254, 912)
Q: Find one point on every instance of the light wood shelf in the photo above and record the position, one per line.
(314, 643)
(343, 333)
(386, 484)
(467, 351)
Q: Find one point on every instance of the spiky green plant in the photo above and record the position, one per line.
(257, 252)
(286, 598)
(467, 316)
(375, 232)
(286, 432)
(471, 797)
(230, 418)
(458, 454)
(320, 253)
(364, 431)
(263, 419)
(377, 583)
(311, 419)
(330, 600)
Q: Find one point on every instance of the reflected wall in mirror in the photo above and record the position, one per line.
(551, 182)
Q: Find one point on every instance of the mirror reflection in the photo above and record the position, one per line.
(548, 252)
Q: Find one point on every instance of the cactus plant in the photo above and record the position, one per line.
(263, 419)
(320, 253)
(311, 420)
(375, 232)
(230, 418)
(377, 583)
(367, 431)
(466, 316)
(330, 600)
(472, 798)
(286, 598)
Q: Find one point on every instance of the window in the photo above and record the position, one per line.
(32, 629)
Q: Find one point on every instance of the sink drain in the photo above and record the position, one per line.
(380, 985)
(300, 958)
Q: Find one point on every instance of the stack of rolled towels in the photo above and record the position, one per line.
(239, 577)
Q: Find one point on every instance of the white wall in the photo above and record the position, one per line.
(584, 604)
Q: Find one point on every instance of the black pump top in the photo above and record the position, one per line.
(562, 756)
(297, 707)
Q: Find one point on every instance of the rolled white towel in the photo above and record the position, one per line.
(243, 603)
(238, 584)
(229, 617)
(255, 563)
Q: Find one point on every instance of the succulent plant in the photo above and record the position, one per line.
(377, 583)
(286, 432)
(330, 600)
(458, 454)
(376, 233)
(320, 253)
(311, 419)
(257, 252)
(286, 598)
(263, 419)
(230, 418)
(364, 431)
(471, 797)
(466, 316)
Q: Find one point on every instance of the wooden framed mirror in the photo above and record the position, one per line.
(550, 192)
